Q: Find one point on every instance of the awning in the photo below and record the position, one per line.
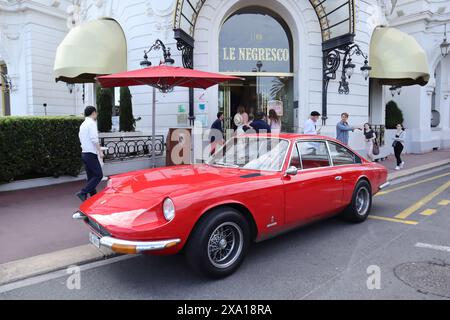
(397, 58)
(89, 50)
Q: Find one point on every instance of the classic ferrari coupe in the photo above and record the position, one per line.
(254, 188)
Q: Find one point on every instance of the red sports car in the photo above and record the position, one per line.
(254, 188)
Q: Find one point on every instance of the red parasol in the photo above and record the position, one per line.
(164, 78)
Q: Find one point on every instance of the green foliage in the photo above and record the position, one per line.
(127, 123)
(39, 147)
(104, 109)
(394, 115)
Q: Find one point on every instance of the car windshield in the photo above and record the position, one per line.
(252, 153)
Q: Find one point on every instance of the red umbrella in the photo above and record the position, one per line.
(164, 78)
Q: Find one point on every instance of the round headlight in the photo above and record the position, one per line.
(169, 209)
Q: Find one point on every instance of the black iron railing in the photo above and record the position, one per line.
(131, 147)
(380, 131)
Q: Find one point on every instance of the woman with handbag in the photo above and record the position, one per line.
(371, 141)
(399, 146)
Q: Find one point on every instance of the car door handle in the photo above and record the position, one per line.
(338, 178)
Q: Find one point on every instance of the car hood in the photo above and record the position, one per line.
(146, 189)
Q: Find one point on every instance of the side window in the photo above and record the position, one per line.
(314, 154)
(296, 160)
(342, 156)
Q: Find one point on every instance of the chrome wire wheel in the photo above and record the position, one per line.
(362, 201)
(225, 245)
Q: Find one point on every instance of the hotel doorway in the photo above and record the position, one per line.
(258, 93)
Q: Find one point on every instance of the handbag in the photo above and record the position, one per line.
(376, 149)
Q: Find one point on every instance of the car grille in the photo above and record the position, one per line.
(97, 228)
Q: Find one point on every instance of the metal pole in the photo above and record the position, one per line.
(154, 128)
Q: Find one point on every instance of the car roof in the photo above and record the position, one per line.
(291, 136)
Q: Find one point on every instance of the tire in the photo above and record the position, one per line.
(359, 209)
(211, 255)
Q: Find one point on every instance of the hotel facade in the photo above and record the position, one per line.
(296, 56)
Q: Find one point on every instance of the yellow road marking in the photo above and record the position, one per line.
(381, 193)
(410, 222)
(422, 202)
(444, 203)
(428, 212)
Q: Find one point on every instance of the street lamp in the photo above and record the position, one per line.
(166, 55)
(445, 44)
(167, 60)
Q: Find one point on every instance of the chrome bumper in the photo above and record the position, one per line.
(385, 185)
(130, 247)
(125, 246)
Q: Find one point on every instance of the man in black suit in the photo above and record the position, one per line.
(217, 133)
(259, 125)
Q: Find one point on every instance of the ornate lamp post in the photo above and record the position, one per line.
(333, 59)
(167, 60)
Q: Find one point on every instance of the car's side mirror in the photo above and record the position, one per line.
(292, 171)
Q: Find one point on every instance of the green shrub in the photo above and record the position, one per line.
(104, 109)
(394, 115)
(39, 147)
(127, 123)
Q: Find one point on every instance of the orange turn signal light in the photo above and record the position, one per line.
(171, 244)
(124, 249)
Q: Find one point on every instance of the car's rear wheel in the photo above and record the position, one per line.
(219, 243)
(359, 209)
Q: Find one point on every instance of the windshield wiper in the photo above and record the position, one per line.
(228, 165)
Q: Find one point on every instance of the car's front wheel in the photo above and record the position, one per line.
(219, 243)
(359, 209)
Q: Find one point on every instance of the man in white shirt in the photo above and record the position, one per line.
(91, 151)
(311, 124)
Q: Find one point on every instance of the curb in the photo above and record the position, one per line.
(409, 172)
(35, 266)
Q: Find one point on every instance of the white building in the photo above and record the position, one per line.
(231, 36)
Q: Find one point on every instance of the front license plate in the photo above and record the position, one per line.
(94, 239)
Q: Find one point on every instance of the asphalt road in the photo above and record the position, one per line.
(402, 257)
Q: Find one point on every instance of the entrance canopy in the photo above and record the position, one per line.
(397, 58)
(89, 50)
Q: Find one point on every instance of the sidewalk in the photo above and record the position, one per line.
(38, 222)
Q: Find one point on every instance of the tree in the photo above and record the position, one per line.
(394, 115)
(127, 123)
(104, 109)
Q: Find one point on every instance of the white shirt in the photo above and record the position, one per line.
(89, 136)
(310, 127)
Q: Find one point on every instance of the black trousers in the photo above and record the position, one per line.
(94, 173)
(398, 149)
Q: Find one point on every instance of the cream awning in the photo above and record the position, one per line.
(91, 49)
(397, 58)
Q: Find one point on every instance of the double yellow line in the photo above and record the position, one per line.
(405, 214)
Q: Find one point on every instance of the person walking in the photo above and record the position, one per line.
(311, 124)
(399, 146)
(217, 133)
(343, 129)
(370, 138)
(91, 153)
(274, 122)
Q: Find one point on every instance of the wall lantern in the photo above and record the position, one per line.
(445, 44)
(395, 90)
(5, 82)
(70, 87)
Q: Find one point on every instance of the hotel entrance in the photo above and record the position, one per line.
(256, 45)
